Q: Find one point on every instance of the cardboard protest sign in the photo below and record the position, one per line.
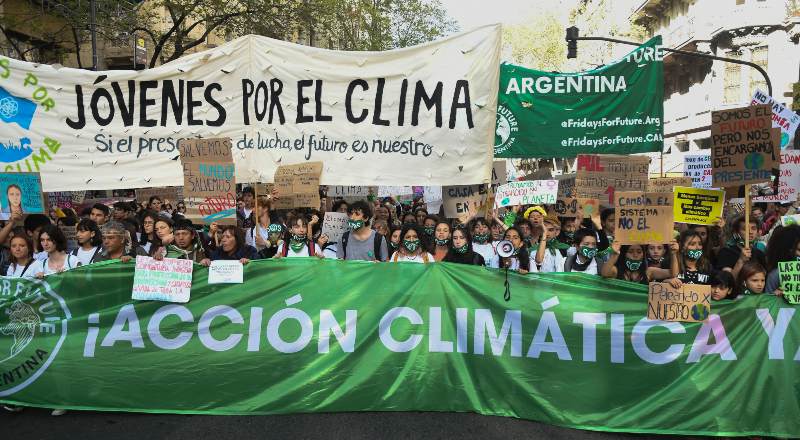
(666, 184)
(566, 185)
(744, 149)
(209, 182)
(169, 193)
(393, 191)
(334, 225)
(352, 193)
(789, 181)
(529, 192)
(782, 116)
(642, 218)
(298, 186)
(167, 280)
(697, 206)
(463, 201)
(599, 176)
(789, 273)
(22, 193)
(566, 207)
(499, 173)
(698, 168)
(690, 303)
(225, 272)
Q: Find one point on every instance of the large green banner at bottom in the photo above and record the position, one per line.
(308, 335)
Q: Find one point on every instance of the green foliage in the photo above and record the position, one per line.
(538, 44)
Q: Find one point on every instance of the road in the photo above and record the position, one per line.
(37, 424)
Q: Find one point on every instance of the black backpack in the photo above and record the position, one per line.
(378, 238)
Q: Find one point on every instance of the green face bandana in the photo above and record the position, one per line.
(633, 265)
(461, 249)
(694, 254)
(442, 242)
(411, 245)
(355, 224)
(588, 252)
(429, 230)
(298, 238)
(393, 246)
(570, 235)
(481, 238)
(297, 246)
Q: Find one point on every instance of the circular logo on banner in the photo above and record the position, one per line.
(505, 129)
(33, 326)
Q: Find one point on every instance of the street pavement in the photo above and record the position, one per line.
(37, 424)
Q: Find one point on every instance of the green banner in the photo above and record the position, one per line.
(617, 108)
(307, 335)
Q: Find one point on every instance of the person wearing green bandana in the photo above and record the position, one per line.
(460, 250)
(548, 256)
(694, 266)
(428, 230)
(411, 249)
(441, 240)
(297, 241)
(483, 242)
(585, 258)
(361, 242)
(628, 263)
(734, 254)
(520, 260)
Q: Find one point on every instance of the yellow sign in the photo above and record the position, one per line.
(697, 206)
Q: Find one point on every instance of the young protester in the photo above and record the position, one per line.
(784, 245)
(751, 279)
(585, 259)
(90, 242)
(33, 224)
(187, 242)
(100, 214)
(520, 261)
(428, 230)
(524, 229)
(340, 206)
(164, 243)
(548, 257)
(296, 242)
(460, 249)
(381, 227)
(734, 255)
(723, 286)
(21, 256)
(361, 242)
(658, 255)
(120, 211)
(259, 235)
(117, 243)
(631, 267)
(693, 265)
(411, 248)
(441, 240)
(482, 242)
(55, 244)
(147, 233)
(535, 216)
(232, 247)
(607, 219)
(421, 215)
(569, 227)
(245, 217)
(394, 240)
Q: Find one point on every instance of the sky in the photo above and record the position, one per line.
(474, 13)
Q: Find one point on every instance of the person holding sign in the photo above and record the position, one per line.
(736, 252)
(411, 249)
(460, 250)
(55, 244)
(694, 266)
(632, 267)
(752, 279)
(232, 247)
(361, 242)
(21, 247)
(296, 243)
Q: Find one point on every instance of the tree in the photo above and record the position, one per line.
(538, 44)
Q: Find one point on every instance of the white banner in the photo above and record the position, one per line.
(782, 117)
(789, 180)
(422, 115)
(334, 225)
(528, 192)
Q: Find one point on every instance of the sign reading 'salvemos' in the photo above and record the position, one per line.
(280, 344)
(617, 108)
(424, 114)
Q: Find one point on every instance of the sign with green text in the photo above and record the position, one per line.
(789, 272)
(617, 108)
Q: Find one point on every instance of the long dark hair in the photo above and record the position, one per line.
(782, 245)
(143, 240)
(238, 235)
(403, 233)
(622, 269)
(451, 250)
(522, 254)
(703, 264)
(89, 225)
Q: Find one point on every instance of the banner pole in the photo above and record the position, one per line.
(747, 216)
(662, 162)
(255, 208)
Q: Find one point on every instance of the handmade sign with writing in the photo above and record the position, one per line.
(498, 173)
(61, 199)
(464, 201)
(642, 218)
(529, 192)
(167, 280)
(744, 149)
(432, 195)
(393, 191)
(789, 181)
(698, 168)
(21, 193)
(782, 116)
(598, 176)
(690, 303)
(169, 193)
(334, 224)
(225, 272)
(352, 193)
(666, 184)
(298, 186)
(566, 185)
(566, 207)
(789, 272)
(209, 182)
(71, 234)
(697, 206)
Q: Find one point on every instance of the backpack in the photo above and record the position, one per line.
(309, 244)
(378, 238)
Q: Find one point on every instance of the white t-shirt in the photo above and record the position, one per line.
(303, 252)
(412, 259)
(15, 271)
(489, 253)
(85, 257)
(591, 269)
(250, 238)
(71, 262)
(40, 255)
(550, 263)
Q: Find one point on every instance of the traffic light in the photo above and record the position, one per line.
(572, 42)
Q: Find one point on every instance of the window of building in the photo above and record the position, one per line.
(760, 56)
(732, 80)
